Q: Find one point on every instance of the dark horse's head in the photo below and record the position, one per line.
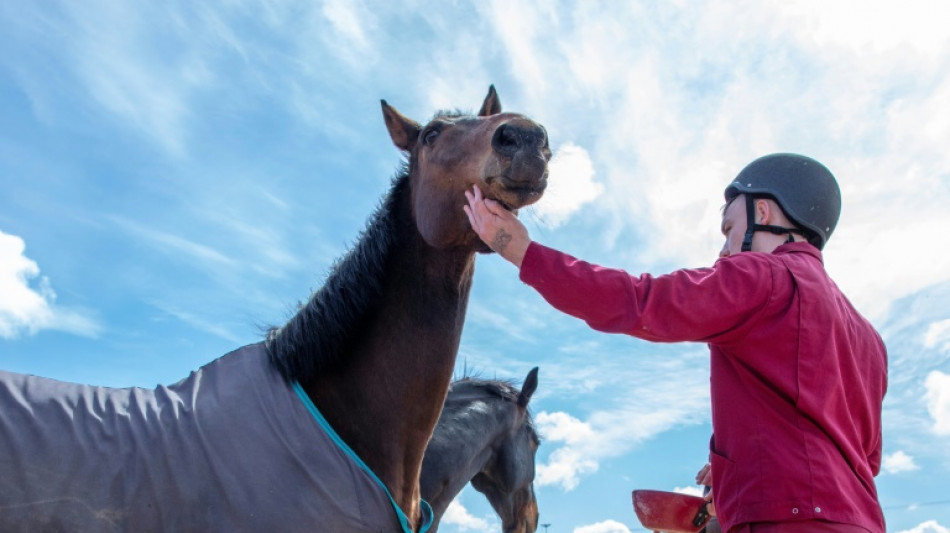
(505, 154)
(508, 479)
(486, 436)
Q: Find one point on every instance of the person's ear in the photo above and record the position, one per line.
(763, 212)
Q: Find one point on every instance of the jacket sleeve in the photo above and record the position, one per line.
(713, 304)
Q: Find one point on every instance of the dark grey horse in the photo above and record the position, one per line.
(485, 435)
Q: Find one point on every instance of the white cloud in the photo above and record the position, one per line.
(457, 515)
(489, 317)
(199, 322)
(27, 306)
(351, 24)
(176, 246)
(607, 526)
(693, 490)
(938, 401)
(877, 26)
(570, 185)
(670, 125)
(520, 28)
(938, 335)
(898, 462)
(660, 403)
(146, 86)
(930, 526)
(566, 464)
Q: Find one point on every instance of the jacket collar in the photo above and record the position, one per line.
(799, 248)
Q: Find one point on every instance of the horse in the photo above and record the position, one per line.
(324, 423)
(485, 435)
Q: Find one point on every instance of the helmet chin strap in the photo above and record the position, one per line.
(752, 227)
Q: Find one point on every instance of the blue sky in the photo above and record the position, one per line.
(176, 176)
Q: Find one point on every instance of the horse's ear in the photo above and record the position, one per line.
(492, 105)
(527, 389)
(403, 131)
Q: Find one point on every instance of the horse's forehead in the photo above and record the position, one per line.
(470, 121)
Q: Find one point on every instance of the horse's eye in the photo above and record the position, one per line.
(430, 136)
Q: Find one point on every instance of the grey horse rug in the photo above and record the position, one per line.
(230, 448)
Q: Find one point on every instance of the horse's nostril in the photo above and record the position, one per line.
(511, 138)
(506, 140)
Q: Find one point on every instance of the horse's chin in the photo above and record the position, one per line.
(514, 198)
(483, 248)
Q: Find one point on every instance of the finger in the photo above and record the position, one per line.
(702, 474)
(495, 208)
(481, 208)
(478, 193)
(471, 218)
(476, 206)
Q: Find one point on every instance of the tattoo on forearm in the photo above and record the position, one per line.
(501, 240)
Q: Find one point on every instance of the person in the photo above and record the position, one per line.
(797, 375)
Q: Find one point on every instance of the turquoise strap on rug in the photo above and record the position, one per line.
(427, 515)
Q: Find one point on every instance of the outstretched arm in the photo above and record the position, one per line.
(499, 228)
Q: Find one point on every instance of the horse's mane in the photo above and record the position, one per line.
(472, 386)
(463, 391)
(451, 113)
(314, 340)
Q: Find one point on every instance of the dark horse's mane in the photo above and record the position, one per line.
(314, 340)
(464, 389)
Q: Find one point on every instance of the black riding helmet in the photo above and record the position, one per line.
(803, 187)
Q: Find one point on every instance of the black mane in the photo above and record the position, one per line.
(313, 341)
(463, 391)
(467, 387)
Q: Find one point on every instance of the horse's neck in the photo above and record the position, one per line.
(387, 401)
(455, 455)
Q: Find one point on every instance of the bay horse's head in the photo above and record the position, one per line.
(508, 479)
(505, 154)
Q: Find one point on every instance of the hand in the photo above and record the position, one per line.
(499, 228)
(711, 508)
(704, 476)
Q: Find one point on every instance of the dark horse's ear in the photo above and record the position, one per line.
(403, 131)
(530, 385)
(492, 105)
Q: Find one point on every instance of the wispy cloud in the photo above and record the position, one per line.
(126, 71)
(938, 335)
(656, 405)
(938, 401)
(669, 126)
(521, 30)
(199, 322)
(884, 25)
(496, 320)
(351, 24)
(28, 304)
(174, 245)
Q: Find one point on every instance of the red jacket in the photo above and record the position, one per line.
(797, 375)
